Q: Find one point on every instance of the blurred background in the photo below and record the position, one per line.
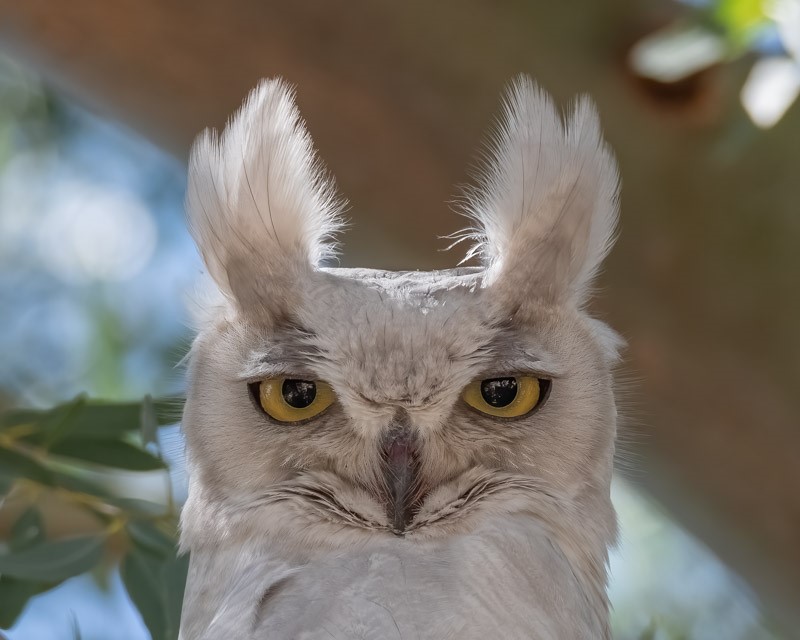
(99, 103)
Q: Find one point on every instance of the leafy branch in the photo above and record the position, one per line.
(68, 458)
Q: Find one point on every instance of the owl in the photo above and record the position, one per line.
(400, 454)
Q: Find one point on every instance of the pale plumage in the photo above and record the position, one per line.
(400, 509)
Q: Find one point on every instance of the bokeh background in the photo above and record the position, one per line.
(99, 103)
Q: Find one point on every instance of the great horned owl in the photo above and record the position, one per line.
(416, 454)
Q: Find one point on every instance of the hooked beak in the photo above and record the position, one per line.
(401, 474)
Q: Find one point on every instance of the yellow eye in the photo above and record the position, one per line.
(510, 397)
(292, 400)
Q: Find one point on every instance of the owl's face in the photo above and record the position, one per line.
(401, 403)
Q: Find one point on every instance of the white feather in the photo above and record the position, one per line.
(258, 198)
(549, 187)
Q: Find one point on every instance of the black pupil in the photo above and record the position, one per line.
(499, 392)
(299, 393)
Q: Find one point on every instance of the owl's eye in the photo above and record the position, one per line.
(510, 397)
(292, 400)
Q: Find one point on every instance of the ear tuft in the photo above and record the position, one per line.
(546, 207)
(260, 206)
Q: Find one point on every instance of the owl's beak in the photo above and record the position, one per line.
(400, 472)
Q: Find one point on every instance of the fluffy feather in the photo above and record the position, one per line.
(468, 587)
(260, 206)
(545, 208)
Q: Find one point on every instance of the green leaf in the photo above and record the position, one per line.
(156, 585)
(48, 421)
(61, 420)
(53, 561)
(141, 574)
(28, 530)
(16, 417)
(133, 507)
(175, 572)
(145, 534)
(14, 595)
(5, 484)
(109, 453)
(102, 420)
(14, 464)
(90, 419)
(139, 508)
(72, 480)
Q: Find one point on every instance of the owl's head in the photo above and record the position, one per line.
(361, 402)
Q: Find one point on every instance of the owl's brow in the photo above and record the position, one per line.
(502, 367)
(505, 355)
(295, 369)
(291, 356)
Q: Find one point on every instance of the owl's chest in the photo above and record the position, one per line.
(507, 582)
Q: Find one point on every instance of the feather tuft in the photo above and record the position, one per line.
(259, 202)
(547, 195)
